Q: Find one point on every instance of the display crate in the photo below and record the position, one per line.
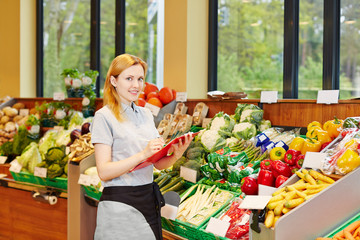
(189, 230)
(92, 192)
(343, 226)
(58, 182)
(318, 215)
(28, 178)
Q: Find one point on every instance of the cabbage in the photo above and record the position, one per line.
(55, 154)
(63, 138)
(47, 142)
(30, 157)
(76, 120)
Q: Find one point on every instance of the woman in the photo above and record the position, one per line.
(124, 135)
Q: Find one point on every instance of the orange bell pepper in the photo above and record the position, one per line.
(333, 127)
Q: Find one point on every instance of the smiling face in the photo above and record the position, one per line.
(129, 83)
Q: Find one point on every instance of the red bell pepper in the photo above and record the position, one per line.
(290, 156)
(293, 169)
(266, 177)
(249, 186)
(280, 168)
(266, 164)
(300, 161)
(280, 180)
(324, 145)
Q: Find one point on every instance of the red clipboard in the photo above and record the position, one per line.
(162, 153)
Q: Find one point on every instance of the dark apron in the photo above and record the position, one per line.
(147, 199)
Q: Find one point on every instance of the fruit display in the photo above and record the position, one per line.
(289, 197)
(156, 97)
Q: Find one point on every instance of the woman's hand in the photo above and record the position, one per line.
(178, 149)
(153, 147)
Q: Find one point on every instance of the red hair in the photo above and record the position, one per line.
(117, 66)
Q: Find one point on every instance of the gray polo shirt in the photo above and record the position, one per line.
(126, 139)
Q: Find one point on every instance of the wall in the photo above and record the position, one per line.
(10, 48)
(185, 47)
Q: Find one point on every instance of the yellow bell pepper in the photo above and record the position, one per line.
(312, 124)
(352, 144)
(333, 127)
(322, 136)
(311, 145)
(277, 153)
(297, 143)
(348, 161)
(311, 133)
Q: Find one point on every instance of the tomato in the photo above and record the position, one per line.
(150, 87)
(141, 102)
(155, 101)
(166, 95)
(152, 94)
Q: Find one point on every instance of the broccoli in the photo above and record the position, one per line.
(244, 131)
(222, 123)
(212, 141)
(180, 162)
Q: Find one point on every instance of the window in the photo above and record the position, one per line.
(66, 41)
(350, 49)
(107, 36)
(310, 48)
(250, 46)
(69, 40)
(141, 34)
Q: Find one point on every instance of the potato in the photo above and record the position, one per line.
(17, 118)
(18, 106)
(10, 126)
(4, 119)
(1, 126)
(10, 112)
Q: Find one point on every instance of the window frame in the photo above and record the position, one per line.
(331, 47)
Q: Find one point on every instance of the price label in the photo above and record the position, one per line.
(269, 96)
(169, 211)
(94, 180)
(188, 174)
(59, 128)
(35, 129)
(255, 202)
(154, 109)
(15, 166)
(314, 160)
(266, 190)
(59, 96)
(3, 159)
(24, 112)
(181, 96)
(328, 96)
(84, 180)
(218, 227)
(40, 172)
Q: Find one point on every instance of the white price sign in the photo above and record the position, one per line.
(84, 180)
(181, 96)
(40, 172)
(188, 174)
(314, 160)
(269, 96)
(15, 166)
(24, 112)
(154, 109)
(218, 227)
(328, 96)
(59, 96)
(3, 159)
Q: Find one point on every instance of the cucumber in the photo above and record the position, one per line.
(176, 187)
(173, 181)
(159, 178)
(164, 181)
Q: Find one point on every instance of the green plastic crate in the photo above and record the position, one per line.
(58, 182)
(92, 192)
(347, 223)
(28, 178)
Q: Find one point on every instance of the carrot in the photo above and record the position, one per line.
(353, 226)
(348, 235)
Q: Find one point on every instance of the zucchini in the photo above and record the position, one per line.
(159, 178)
(173, 181)
(164, 181)
(176, 187)
(174, 173)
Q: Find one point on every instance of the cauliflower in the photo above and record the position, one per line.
(249, 113)
(265, 124)
(244, 130)
(212, 141)
(222, 123)
(232, 141)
